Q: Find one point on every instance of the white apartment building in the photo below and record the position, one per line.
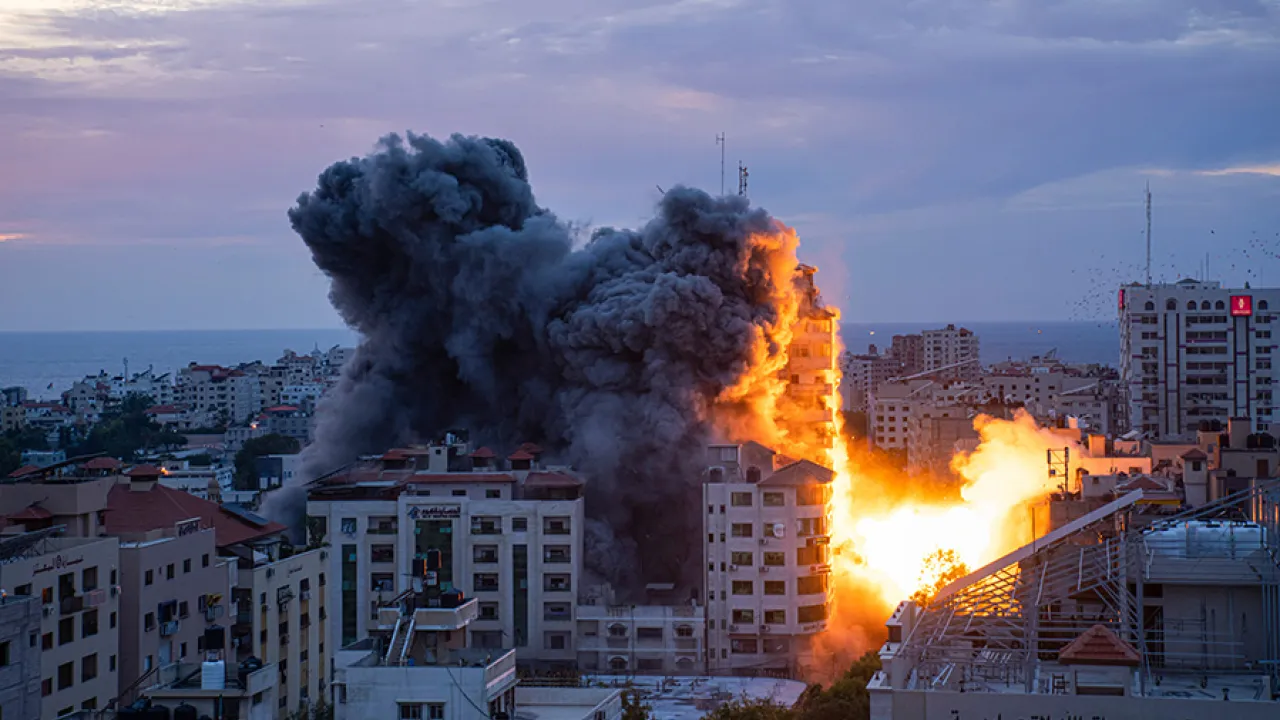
(768, 564)
(861, 374)
(641, 639)
(19, 656)
(510, 538)
(219, 393)
(951, 346)
(76, 582)
(1194, 351)
(809, 405)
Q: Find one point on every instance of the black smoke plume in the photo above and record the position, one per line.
(476, 311)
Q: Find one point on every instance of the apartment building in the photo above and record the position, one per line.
(19, 654)
(177, 586)
(75, 582)
(809, 405)
(1194, 351)
(12, 418)
(908, 350)
(511, 537)
(948, 348)
(219, 393)
(767, 554)
(641, 639)
(861, 374)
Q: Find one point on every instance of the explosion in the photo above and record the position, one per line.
(624, 357)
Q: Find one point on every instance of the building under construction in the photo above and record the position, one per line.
(1127, 611)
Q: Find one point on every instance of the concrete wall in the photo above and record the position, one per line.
(20, 671)
(191, 580)
(294, 601)
(377, 692)
(922, 705)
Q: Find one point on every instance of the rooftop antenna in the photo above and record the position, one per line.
(720, 142)
(742, 178)
(1148, 233)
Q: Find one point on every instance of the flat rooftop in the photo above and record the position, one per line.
(690, 698)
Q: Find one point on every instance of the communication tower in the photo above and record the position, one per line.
(742, 178)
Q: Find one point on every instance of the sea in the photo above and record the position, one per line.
(46, 363)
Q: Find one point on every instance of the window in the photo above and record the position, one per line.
(488, 611)
(775, 559)
(742, 558)
(23, 590)
(484, 554)
(775, 617)
(88, 667)
(411, 711)
(556, 611)
(743, 587)
(89, 623)
(66, 631)
(491, 494)
(555, 526)
(113, 620)
(204, 560)
(186, 565)
(382, 582)
(519, 524)
(743, 617)
(812, 495)
(111, 663)
(743, 646)
(46, 687)
(555, 640)
(66, 675)
(435, 711)
(46, 641)
(556, 582)
(382, 553)
(4, 654)
(168, 571)
(775, 587)
(148, 577)
(555, 554)
(459, 493)
(740, 499)
(812, 613)
(741, 530)
(149, 621)
(774, 499)
(89, 579)
(484, 582)
(486, 525)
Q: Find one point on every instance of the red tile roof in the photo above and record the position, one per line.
(1099, 646)
(1141, 483)
(281, 408)
(102, 463)
(803, 472)
(31, 512)
(1194, 454)
(24, 470)
(145, 471)
(133, 511)
(483, 452)
(520, 455)
(421, 478)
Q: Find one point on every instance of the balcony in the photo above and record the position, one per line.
(73, 604)
(168, 629)
(555, 527)
(446, 619)
(556, 556)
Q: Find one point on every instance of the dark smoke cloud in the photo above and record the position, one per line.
(476, 312)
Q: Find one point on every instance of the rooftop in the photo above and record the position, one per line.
(136, 511)
(691, 698)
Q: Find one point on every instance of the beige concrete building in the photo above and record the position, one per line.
(768, 563)
(177, 586)
(511, 538)
(76, 582)
(19, 654)
(641, 639)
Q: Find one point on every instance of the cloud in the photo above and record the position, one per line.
(1272, 170)
(9, 237)
(180, 121)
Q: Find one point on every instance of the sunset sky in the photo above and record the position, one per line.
(942, 160)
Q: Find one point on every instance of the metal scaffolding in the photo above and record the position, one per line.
(1002, 624)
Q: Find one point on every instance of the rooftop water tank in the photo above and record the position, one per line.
(213, 675)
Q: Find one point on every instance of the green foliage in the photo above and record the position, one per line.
(635, 708)
(126, 431)
(846, 699)
(10, 456)
(246, 475)
(28, 438)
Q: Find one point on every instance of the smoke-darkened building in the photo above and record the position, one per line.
(510, 533)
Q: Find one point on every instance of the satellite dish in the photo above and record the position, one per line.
(779, 530)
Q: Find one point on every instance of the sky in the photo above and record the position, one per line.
(941, 159)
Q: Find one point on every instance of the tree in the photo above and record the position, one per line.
(273, 444)
(126, 432)
(752, 710)
(846, 699)
(634, 707)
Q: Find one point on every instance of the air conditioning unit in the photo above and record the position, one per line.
(115, 590)
(48, 609)
(733, 568)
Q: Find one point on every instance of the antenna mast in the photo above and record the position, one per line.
(742, 178)
(1148, 233)
(720, 142)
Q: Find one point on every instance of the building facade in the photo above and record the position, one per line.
(952, 353)
(767, 560)
(20, 621)
(76, 583)
(1194, 351)
(641, 639)
(512, 539)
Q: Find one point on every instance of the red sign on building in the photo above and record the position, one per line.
(1241, 305)
(1121, 299)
